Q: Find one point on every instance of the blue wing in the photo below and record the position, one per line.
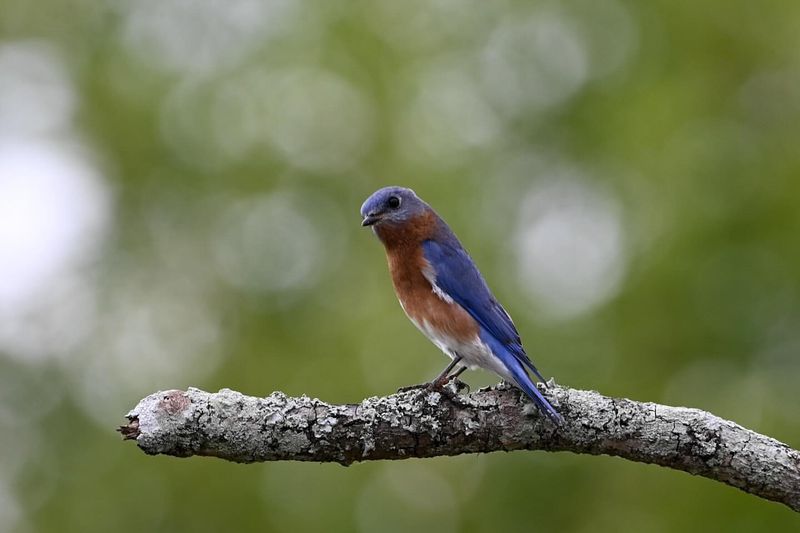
(460, 279)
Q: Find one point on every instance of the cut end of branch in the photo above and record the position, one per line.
(130, 431)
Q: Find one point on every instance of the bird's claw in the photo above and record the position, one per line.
(452, 391)
(459, 385)
(431, 386)
(409, 388)
(450, 388)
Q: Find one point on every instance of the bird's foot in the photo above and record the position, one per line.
(421, 391)
(431, 386)
(458, 385)
(452, 390)
(409, 388)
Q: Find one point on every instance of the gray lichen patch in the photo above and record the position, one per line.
(324, 426)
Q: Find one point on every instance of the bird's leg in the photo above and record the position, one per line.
(456, 374)
(440, 381)
(458, 384)
(451, 386)
(444, 377)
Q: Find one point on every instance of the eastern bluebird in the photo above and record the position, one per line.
(443, 293)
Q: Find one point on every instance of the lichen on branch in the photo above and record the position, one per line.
(421, 423)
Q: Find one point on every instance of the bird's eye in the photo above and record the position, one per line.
(393, 202)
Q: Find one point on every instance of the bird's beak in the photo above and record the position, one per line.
(370, 219)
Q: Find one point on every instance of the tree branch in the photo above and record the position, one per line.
(240, 428)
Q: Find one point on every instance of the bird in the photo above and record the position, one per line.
(444, 294)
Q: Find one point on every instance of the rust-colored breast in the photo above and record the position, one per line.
(406, 265)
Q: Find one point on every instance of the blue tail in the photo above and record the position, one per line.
(521, 377)
(523, 381)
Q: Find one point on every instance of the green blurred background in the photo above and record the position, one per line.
(179, 191)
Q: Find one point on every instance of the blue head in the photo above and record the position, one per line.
(392, 205)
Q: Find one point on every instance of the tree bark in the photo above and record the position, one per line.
(420, 423)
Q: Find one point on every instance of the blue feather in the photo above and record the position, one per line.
(459, 278)
(521, 378)
(457, 275)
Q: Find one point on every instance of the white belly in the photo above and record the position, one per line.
(474, 353)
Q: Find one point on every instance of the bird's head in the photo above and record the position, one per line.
(391, 205)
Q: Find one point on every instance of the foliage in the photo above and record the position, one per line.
(179, 192)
